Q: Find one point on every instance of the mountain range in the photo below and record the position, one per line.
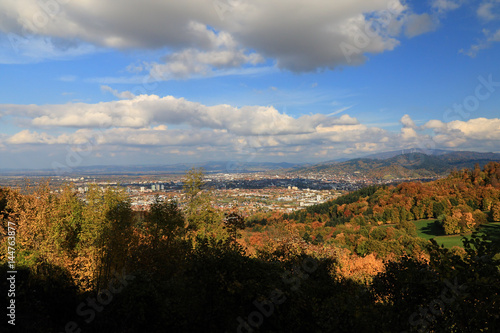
(414, 163)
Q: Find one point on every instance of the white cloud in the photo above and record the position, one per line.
(202, 36)
(478, 132)
(28, 137)
(150, 125)
(116, 93)
(146, 110)
(153, 123)
(488, 40)
(443, 6)
(407, 122)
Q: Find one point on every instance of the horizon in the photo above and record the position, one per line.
(94, 84)
(230, 168)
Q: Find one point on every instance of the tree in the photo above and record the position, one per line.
(479, 217)
(495, 212)
(193, 182)
(105, 236)
(486, 203)
(451, 224)
(200, 214)
(164, 220)
(438, 209)
(232, 222)
(461, 220)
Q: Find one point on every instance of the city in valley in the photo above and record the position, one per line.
(247, 193)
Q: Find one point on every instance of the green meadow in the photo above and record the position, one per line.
(427, 229)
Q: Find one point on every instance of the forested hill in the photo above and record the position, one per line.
(411, 165)
(461, 201)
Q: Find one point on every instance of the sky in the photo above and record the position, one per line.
(124, 82)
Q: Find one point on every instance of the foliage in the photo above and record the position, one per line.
(200, 214)
(351, 265)
(164, 220)
(448, 293)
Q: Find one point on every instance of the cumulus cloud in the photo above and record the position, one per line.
(472, 133)
(407, 122)
(146, 110)
(206, 35)
(154, 123)
(409, 130)
(28, 137)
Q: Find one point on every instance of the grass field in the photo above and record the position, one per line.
(427, 230)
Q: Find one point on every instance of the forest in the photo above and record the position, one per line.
(353, 264)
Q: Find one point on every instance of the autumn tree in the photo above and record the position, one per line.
(495, 212)
(461, 220)
(32, 214)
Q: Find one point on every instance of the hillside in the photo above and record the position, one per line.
(410, 165)
(460, 202)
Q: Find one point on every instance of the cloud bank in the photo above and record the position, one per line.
(150, 125)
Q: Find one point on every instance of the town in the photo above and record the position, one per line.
(247, 193)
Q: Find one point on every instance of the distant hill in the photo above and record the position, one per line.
(209, 167)
(389, 154)
(407, 165)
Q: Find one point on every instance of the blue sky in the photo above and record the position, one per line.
(127, 82)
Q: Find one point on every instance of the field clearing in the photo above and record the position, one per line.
(427, 229)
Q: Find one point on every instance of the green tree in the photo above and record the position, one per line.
(106, 235)
(164, 220)
(232, 222)
(200, 214)
(193, 182)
